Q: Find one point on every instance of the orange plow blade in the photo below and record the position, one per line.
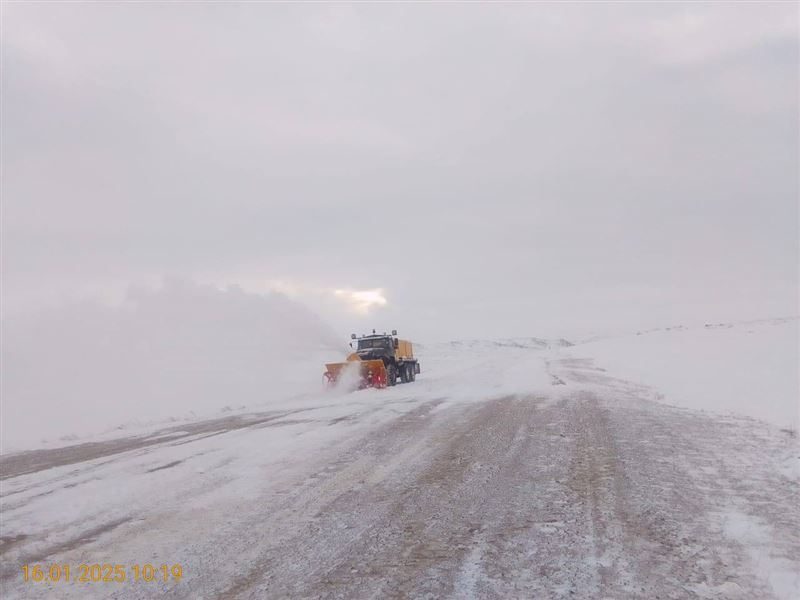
(363, 373)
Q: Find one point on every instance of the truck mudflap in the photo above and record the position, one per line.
(359, 373)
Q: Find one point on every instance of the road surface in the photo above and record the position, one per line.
(589, 490)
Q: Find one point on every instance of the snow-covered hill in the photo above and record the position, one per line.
(532, 343)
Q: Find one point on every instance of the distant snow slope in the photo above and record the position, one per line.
(749, 368)
(180, 351)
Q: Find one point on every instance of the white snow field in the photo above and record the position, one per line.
(521, 468)
(750, 368)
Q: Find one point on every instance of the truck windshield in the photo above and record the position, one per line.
(373, 343)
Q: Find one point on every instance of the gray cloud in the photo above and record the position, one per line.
(525, 168)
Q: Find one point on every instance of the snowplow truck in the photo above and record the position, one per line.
(379, 360)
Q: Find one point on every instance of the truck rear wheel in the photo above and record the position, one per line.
(405, 374)
(412, 372)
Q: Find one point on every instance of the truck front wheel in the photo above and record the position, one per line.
(391, 375)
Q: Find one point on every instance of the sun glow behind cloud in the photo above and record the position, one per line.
(362, 301)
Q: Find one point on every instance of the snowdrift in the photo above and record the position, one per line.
(747, 368)
(477, 370)
(180, 351)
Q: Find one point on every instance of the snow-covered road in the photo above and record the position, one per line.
(583, 490)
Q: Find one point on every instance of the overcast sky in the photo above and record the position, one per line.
(515, 169)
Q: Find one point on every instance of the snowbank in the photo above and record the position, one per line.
(749, 368)
(181, 351)
(475, 370)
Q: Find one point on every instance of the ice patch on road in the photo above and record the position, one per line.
(756, 540)
(471, 573)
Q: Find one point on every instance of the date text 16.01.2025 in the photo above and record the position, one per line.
(97, 573)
